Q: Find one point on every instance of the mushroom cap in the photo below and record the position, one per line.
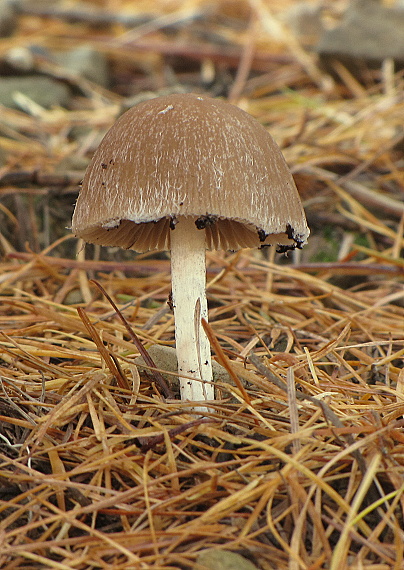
(189, 155)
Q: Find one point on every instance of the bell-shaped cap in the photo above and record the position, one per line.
(189, 155)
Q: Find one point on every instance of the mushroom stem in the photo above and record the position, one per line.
(188, 276)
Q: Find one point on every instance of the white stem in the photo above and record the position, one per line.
(188, 276)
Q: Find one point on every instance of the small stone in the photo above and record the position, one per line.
(304, 20)
(369, 31)
(224, 560)
(165, 358)
(86, 62)
(44, 91)
(73, 297)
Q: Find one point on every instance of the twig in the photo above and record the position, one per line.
(228, 55)
(96, 17)
(337, 267)
(91, 265)
(363, 193)
(146, 443)
(36, 178)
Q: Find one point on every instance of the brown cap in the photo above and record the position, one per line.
(189, 155)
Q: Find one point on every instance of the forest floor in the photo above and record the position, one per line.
(298, 465)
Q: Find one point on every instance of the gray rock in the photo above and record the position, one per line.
(73, 297)
(45, 91)
(224, 560)
(165, 358)
(369, 31)
(83, 61)
(86, 62)
(304, 20)
(8, 18)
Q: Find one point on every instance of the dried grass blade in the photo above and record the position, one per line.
(109, 361)
(293, 411)
(342, 547)
(223, 360)
(72, 399)
(58, 468)
(37, 363)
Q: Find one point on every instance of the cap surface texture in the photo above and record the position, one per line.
(188, 155)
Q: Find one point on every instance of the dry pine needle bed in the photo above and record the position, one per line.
(300, 462)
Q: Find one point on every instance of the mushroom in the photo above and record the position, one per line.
(187, 173)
